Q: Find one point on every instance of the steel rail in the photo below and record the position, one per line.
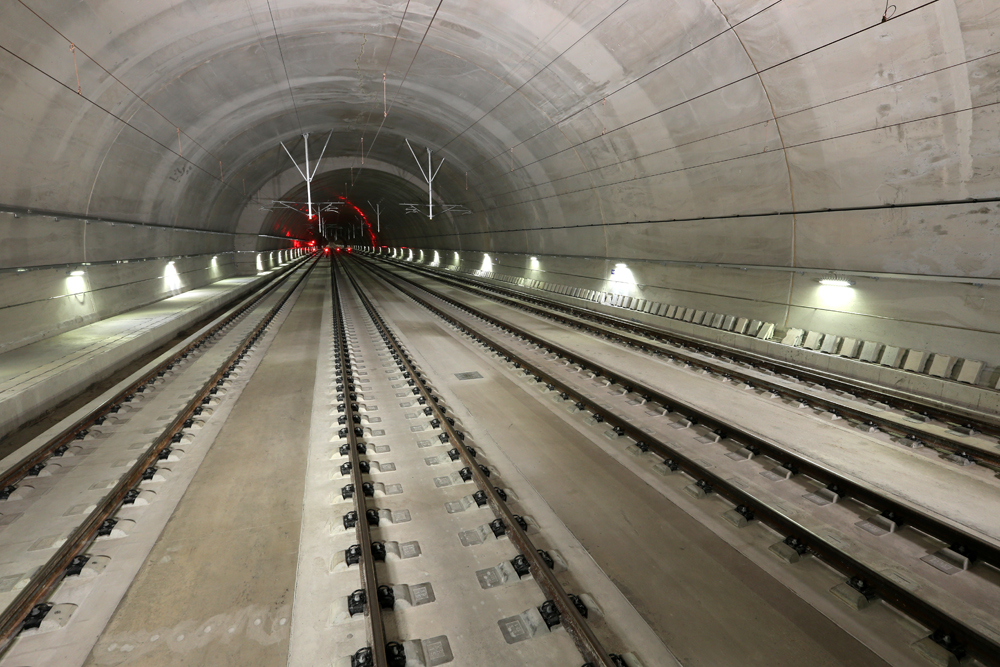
(45, 580)
(369, 577)
(583, 636)
(965, 541)
(23, 468)
(620, 329)
(895, 594)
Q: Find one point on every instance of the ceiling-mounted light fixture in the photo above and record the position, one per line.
(76, 273)
(833, 280)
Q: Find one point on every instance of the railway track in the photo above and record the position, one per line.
(559, 608)
(379, 652)
(964, 436)
(206, 362)
(869, 564)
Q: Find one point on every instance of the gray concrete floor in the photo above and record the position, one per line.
(709, 603)
(217, 587)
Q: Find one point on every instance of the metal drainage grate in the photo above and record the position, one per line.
(471, 375)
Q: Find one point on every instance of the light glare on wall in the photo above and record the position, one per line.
(76, 284)
(171, 277)
(487, 263)
(260, 263)
(534, 263)
(621, 281)
(437, 259)
(835, 296)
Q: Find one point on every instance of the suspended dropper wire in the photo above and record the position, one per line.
(74, 47)
(371, 145)
(385, 69)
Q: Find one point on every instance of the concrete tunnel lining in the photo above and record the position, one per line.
(772, 136)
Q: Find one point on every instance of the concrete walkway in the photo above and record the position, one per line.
(217, 587)
(37, 377)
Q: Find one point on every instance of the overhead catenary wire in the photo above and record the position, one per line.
(538, 45)
(74, 47)
(753, 75)
(284, 66)
(604, 97)
(881, 128)
(263, 50)
(385, 69)
(539, 72)
(402, 81)
(765, 122)
(180, 132)
(118, 118)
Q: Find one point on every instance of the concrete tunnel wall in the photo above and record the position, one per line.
(929, 355)
(786, 138)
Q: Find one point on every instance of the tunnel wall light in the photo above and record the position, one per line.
(76, 284)
(836, 282)
(78, 272)
(621, 280)
(171, 277)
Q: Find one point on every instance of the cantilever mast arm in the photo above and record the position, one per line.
(293, 160)
(419, 166)
(438, 167)
(321, 153)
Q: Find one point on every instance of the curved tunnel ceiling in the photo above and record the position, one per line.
(764, 132)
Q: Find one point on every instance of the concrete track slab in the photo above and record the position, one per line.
(115, 560)
(461, 610)
(878, 411)
(693, 588)
(966, 496)
(216, 588)
(36, 377)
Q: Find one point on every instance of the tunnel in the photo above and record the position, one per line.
(686, 313)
